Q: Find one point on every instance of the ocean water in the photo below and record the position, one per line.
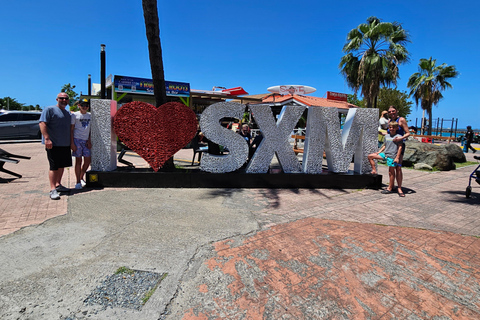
(446, 133)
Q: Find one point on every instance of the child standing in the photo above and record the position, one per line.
(391, 152)
(81, 143)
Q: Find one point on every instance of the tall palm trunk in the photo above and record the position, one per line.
(150, 14)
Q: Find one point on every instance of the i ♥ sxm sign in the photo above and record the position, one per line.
(324, 135)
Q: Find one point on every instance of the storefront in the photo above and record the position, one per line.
(124, 89)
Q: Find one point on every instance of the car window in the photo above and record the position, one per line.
(9, 117)
(30, 116)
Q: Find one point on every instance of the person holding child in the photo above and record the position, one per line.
(391, 151)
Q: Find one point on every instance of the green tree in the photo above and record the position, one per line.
(392, 97)
(427, 84)
(68, 89)
(374, 50)
(8, 103)
(387, 97)
(353, 99)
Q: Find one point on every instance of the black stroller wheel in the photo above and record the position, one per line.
(468, 192)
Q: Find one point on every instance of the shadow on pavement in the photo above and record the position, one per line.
(473, 200)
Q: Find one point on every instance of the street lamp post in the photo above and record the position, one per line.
(89, 85)
(102, 72)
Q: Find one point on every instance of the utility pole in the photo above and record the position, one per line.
(102, 72)
(89, 85)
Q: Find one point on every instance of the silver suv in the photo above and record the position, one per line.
(19, 124)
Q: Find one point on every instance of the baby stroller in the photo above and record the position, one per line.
(474, 175)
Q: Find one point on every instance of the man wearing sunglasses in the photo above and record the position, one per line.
(81, 143)
(55, 128)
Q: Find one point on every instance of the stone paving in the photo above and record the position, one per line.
(324, 269)
(25, 201)
(336, 254)
(318, 254)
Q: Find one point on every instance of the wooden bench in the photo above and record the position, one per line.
(296, 149)
(7, 157)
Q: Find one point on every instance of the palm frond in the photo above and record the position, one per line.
(379, 49)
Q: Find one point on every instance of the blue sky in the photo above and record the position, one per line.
(253, 44)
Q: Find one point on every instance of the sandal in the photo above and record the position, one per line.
(386, 191)
(401, 194)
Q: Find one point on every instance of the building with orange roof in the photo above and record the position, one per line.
(278, 100)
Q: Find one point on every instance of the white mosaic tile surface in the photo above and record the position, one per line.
(275, 139)
(104, 139)
(322, 124)
(211, 128)
(357, 139)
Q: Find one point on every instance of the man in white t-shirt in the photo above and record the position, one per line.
(81, 143)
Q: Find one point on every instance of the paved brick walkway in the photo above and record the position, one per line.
(324, 269)
(318, 254)
(348, 254)
(25, 201)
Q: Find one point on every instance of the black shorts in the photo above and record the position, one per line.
(59, 157)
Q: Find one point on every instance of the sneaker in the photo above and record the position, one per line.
(83, 183)
(61, 188)
(78, 186)
(54, 195)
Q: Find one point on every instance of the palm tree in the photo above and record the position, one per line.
(374, 50)
(427, 85)
(150, 15)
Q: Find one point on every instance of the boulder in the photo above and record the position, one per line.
(441, 157)
(455, 152)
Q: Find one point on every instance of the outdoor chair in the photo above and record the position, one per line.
(122, 153)
(8, 157)
(197, 148)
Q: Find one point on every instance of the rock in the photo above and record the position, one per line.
(441, 157)
(455, 152)
(422, 166)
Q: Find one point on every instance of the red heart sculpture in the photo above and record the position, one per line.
(156, 134)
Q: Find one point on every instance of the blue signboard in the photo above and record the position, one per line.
(179, 89)
(145, 86)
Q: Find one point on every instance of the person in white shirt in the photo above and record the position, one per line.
(81, 143)
(382, 127)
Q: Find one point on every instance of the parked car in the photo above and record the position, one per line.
(19, 124)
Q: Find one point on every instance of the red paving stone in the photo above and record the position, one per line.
(321, 269)
(26, 201)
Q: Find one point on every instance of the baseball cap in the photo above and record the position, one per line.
(83, 101)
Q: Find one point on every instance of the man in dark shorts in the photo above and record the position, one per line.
(55, 128)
